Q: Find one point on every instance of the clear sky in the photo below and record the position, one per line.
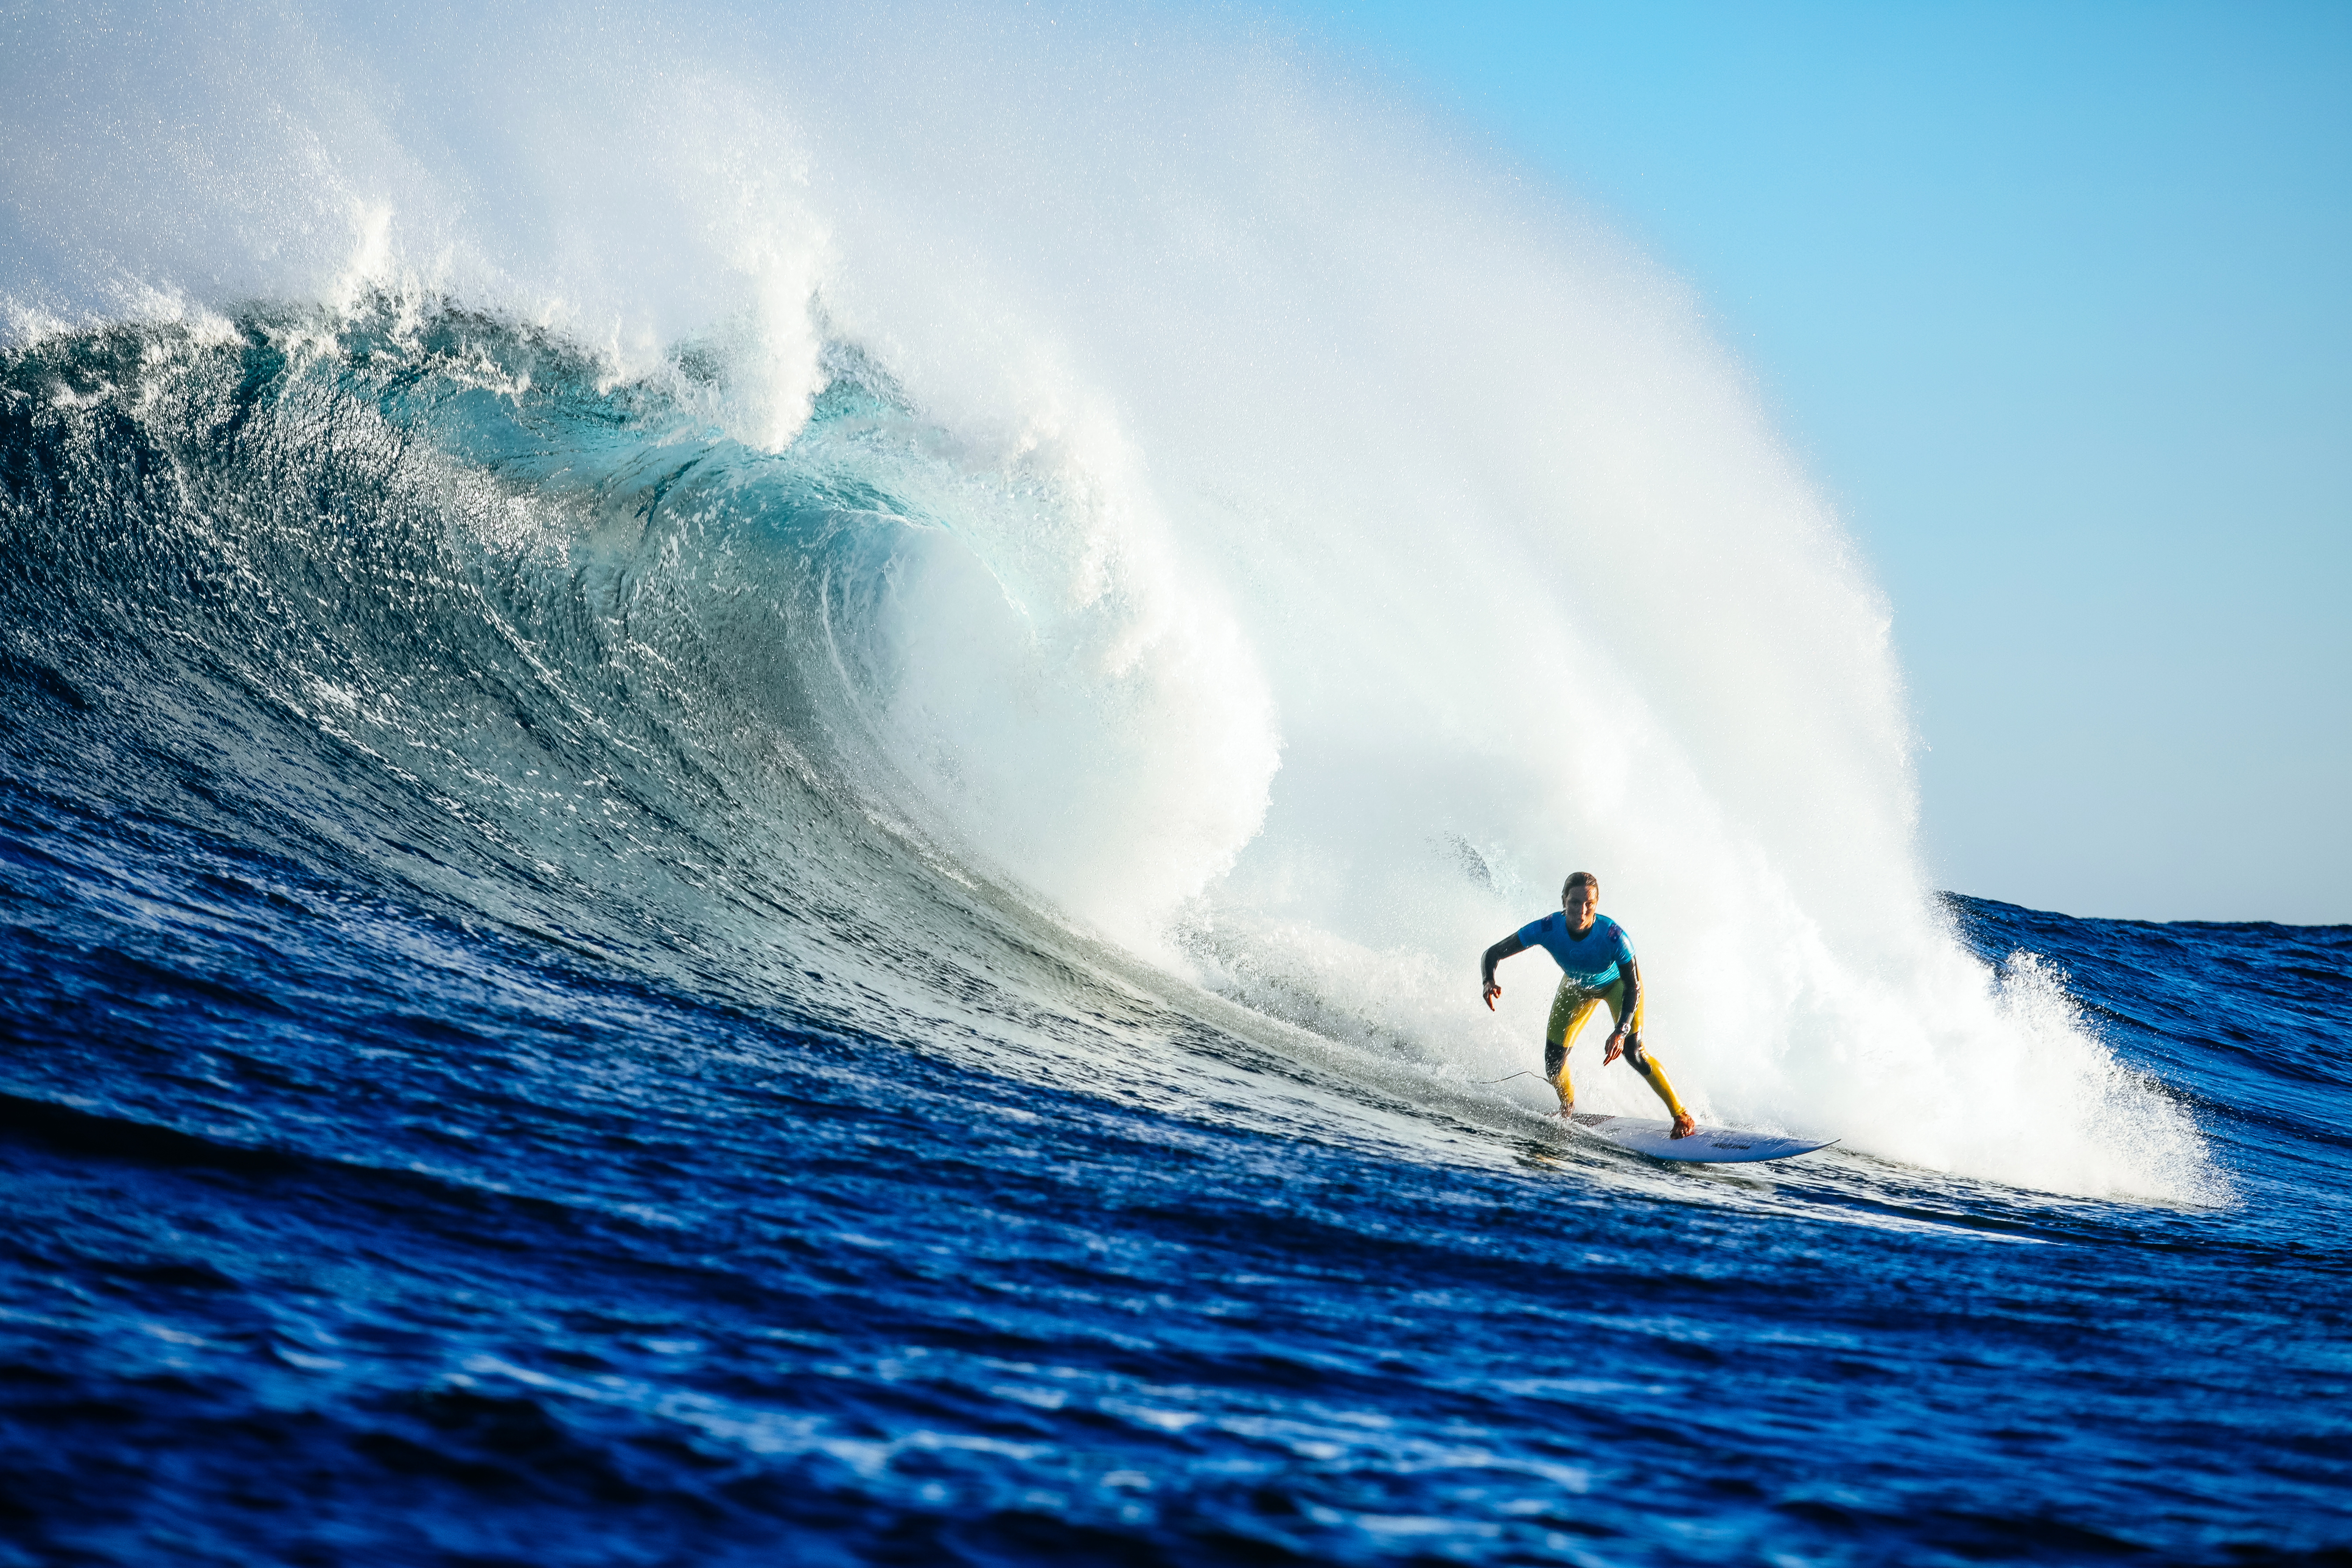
(2055, 303)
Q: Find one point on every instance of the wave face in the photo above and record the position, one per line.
(754, 775)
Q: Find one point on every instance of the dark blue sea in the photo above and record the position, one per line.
(494, 1071)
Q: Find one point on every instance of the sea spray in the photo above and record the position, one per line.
(1258, 490)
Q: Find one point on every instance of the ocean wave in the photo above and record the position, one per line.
(440, 595)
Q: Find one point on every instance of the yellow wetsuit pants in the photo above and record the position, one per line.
(1569, 1009)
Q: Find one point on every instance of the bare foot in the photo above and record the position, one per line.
(1684, 1126)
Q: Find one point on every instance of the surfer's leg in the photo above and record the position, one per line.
(1570, 1007)
(1643, 1062)
(1655, 1075)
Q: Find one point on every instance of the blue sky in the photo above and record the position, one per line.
(2055, 303)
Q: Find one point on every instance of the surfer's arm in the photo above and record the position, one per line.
(1493, 956)
(1618, 1035)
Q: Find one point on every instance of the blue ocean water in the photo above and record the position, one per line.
(486, 1084)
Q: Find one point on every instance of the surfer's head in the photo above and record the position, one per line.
(1579, 900)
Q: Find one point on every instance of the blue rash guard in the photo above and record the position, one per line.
(1590, 961)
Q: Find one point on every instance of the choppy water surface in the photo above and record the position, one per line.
(486, 1082)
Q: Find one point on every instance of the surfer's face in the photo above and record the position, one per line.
(1581, 904)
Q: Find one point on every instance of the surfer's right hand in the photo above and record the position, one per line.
(1493, 990)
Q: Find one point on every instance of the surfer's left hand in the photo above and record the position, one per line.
(1616, 1049)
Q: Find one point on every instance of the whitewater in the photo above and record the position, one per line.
(754, 767)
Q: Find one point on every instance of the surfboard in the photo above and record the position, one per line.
(1711, 1145)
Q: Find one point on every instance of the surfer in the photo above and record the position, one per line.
(1596, 969)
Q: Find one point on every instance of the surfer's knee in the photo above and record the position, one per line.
(1637, 1053)
(1555, 1057)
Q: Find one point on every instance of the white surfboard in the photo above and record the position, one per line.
(1713, 1145)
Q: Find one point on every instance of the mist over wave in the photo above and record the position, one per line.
(914, 494)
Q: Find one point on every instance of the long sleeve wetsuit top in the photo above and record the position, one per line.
(1590, 961)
